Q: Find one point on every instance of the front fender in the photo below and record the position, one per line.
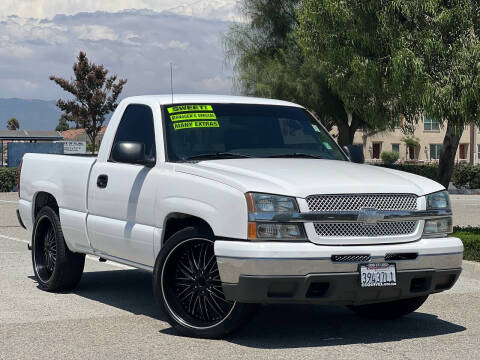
(223, 207)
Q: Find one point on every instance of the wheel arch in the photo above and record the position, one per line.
(176, 221)
(42, 199)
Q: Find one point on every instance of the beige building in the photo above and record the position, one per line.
(423, 146)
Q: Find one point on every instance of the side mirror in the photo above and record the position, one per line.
(131, 153)
(355, 153)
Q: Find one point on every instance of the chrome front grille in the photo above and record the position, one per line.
(353, 202)
(356, 229)
(356, 202)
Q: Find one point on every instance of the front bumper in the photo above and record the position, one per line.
(284, 272)
(338, 288)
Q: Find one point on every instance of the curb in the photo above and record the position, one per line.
(471, 269)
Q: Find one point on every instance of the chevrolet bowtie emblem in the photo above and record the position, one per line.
(370, 216)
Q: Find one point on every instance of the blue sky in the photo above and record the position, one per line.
(135, 39)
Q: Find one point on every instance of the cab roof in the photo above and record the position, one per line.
(200, 98)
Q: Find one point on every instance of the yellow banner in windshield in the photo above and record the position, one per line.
(193, 116)
(184, 108)
(195, 124)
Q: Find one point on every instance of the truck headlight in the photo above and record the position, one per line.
(262, 203)
(438, 200)
(273, 204)
(441, 226)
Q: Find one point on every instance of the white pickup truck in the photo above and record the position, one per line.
(236, 201)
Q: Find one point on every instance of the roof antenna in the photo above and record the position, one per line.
(171, 80)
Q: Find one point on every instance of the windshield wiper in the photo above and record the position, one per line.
(217, 155)
(296, 155)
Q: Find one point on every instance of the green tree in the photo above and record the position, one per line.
(415, 56)
(95, 95)
(62, 125)
(269, 62)
(435, 57)
(13, 124)
(343, 39)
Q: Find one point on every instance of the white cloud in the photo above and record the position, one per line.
(28, 84)
(11, 50)
(137, 45)
(219, 9)
(94, 32)
(175, 44)
(19, 87)
(172, 44)
(18, 29)
(217, 84)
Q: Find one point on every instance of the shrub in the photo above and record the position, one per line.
(411, 141)
(466, 176)
(426, 170)
(471, 241)
(90, 147)
(389, 157)
(8, 179)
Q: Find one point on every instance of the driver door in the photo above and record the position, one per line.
(122, 195)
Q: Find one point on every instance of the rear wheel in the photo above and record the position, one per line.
(187, 285)
(56, 268)
(389, 310)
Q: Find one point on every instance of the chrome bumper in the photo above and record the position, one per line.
(237, 258)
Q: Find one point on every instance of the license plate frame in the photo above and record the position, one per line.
(378, 275)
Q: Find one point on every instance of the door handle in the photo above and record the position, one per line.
(102, 181)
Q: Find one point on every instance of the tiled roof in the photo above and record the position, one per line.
(73, 133)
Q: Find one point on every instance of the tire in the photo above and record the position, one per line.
(389, 310)
(56, 268)
(185, 277)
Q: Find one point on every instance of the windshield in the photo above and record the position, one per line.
(213, 131)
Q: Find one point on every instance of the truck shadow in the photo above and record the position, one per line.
(290, 326)
(129, 290)
(273, 326)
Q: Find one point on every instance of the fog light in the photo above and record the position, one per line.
(438, 226)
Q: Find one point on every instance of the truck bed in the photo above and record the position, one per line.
(63, 176)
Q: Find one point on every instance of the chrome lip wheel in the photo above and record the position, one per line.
(192, 287)
(45, 251)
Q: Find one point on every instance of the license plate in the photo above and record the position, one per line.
(378, 274)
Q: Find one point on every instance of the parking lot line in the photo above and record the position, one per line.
(89, 257)
(14, 239)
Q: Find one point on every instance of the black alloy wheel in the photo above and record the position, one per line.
(45, 251)
(192, 284)
(56, 268)
(188, 287)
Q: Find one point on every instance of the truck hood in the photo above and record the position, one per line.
(303, 177)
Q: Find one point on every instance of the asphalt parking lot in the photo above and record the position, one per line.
(113, 315)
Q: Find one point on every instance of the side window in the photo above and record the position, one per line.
(136, 125)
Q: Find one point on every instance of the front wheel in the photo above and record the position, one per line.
(389, 310)
(187, 285)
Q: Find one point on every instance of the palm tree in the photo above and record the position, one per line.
(13, 124)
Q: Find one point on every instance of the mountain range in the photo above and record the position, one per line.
(31, 114)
